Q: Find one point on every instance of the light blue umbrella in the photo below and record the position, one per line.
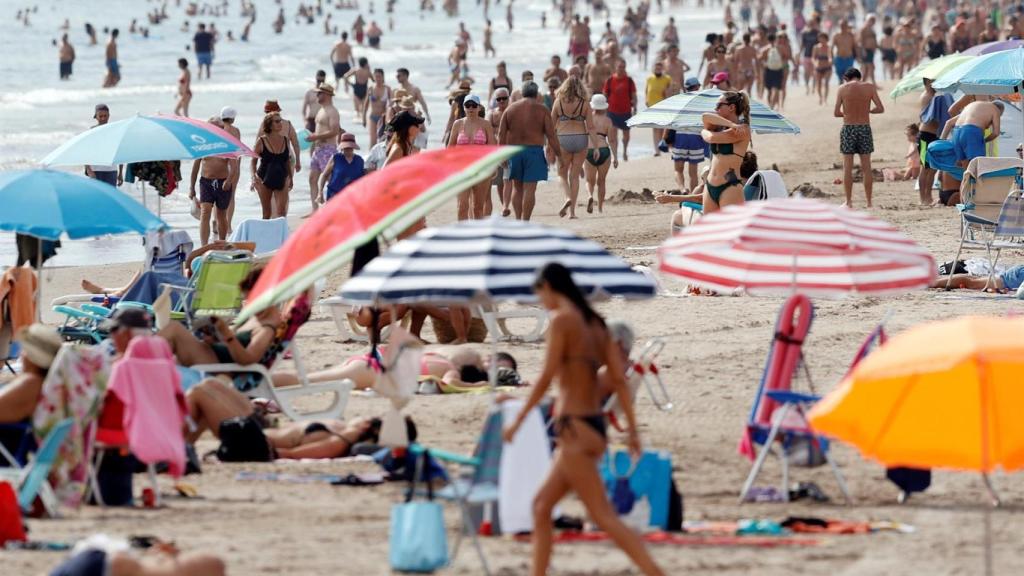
(48, 203)
(146, 139)
(683, 112)
(993, 73)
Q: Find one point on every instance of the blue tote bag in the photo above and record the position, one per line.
(417, 538)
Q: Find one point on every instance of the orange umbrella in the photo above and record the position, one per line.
(385, 202)
(946, 394)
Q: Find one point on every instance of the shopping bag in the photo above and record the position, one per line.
(417, 538)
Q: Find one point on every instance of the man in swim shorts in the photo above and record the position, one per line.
(113, 69)
(856, 100)
(216, 186)
(324, 139)
(968, 129)
(620, 90)
(844, 46)
(342, 60)
(688, 150)
(527, 123)
(203, 45)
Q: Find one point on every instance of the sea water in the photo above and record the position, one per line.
(38, 111)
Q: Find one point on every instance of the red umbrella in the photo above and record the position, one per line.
(385, 202)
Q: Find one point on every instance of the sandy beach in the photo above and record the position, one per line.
(715, 353)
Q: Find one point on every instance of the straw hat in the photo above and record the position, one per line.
(326, 88)
(39, 344)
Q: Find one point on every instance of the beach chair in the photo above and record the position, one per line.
(255, 381)
(267, 235)
(30, 480)
(642, 372)
(778, 413)
(992, 209)
(496, 321)
(214, 290)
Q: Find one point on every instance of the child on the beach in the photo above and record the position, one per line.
(913, 153)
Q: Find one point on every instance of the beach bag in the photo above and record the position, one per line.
(958, 267)
(805, 452)
(242, 440)
(114, 478)
(11, 527)
(417, 541)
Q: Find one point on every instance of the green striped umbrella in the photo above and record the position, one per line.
(913, 81)
(683, 112)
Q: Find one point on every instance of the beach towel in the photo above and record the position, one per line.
(74, 388)
(687, 539)
(269, 235)
(148, 383)
(524, 464)
(149, 286)
(17, 298)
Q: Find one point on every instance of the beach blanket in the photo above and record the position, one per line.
(687, 539)
(74, 388)
(365, 479)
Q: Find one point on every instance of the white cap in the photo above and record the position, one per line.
(472, 98)
(228, 113)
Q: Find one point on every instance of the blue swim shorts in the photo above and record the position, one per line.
(113, 67)
(1013, 277)
(842, 64)
(968, 142)
(688, 148)
(529, 165)
(204, 58)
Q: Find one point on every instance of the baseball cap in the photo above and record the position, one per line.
(720, 77)
(472, 98)
(127, 318)
(100, 108)
(691, 83)
(228, 113)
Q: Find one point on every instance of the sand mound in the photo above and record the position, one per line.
(645, 196)
(808, 191)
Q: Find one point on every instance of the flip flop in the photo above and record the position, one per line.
(565, 209)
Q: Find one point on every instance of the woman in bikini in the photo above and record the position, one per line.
(380, 97)
(359, 78)
(578, 346)
(406, 127)
(501, 80)
(599, 155)
(184, 88)
(720, 63)
(728, 133)
(571, 115)
(272, 167)
(822, 56)
(473, 129)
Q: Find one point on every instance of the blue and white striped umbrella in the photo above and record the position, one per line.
(683, 112)
(993, 73)
(491, 260)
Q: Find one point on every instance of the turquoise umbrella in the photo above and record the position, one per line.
(683, 112)
(993, 73)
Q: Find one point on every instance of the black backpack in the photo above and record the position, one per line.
(242, 440)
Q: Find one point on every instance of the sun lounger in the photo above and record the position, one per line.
(30, 480)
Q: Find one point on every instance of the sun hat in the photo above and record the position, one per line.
(271, 106)
(127, 318)
(720, 77)
(326, 88)
(691, 83)
(40, 344)
(405, 119)
(471, 98)
(599, 102)
(348, 140)
(228, 113)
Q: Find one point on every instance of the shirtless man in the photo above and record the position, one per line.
(465, 36)
(402, 75)
(556, 70)
(676, 68)
(596, 73)
(856, 100)
(745, 60)
(215, 186)
(503, 186)
(844, 47)
(579, 38)
(310, 106)
(968, 129)
(527, 123)
(227, 118)
(342, 60)
(868, 47)
(670, 34)
(325, 138)
(66, 53)
(113, 70)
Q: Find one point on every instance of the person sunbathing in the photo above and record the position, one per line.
(1007, 281)
(18, 398)
(102, 555)
(214, 401)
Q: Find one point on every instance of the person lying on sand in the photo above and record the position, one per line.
(1008, 281)
(100, 555)
(213, 401)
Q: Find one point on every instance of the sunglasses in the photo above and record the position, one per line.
(470, 105)
(720, 104)
(501, 98)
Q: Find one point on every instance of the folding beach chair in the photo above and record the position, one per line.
(643, 372)
(30, 480)
(496, 321)
(778, 413)
(214, 290)
(992, 212)
(347, 325)
(255, 381)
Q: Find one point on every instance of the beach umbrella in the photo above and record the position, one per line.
(683, 112)
(989, 47)
(994, 73)
(385, 202)
(47, 204)
(941, 395)
(913, 81)
(796, 245)
(146, 139)
(477, 262)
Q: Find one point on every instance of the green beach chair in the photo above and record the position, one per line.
(213, 290)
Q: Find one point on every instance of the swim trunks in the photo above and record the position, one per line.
(359, 90)
(619, 120)
(1013, 277)
(529, 165)
(688, 148)
(867, 56)
(924, 138)
(842, 64)
(968, 142)
(773, 79)
(340, 69)
(91, 562)
(113, 68)
(321, 156)
(374, 41)
(856, 139)
(65, 70)
(211, 191)
(204, 58)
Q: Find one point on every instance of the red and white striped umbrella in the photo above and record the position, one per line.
(796, 245)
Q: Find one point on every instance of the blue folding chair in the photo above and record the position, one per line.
(30, 480)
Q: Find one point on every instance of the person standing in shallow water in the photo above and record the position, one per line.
(66, 54)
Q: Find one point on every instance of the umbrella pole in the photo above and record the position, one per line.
(492, 368)
(993, 497)
(39, 282)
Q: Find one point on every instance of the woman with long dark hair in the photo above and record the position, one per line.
(578, 346)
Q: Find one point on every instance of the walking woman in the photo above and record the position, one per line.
(728, 133)
(599, 155)
(184, 89)
(473, 129)
(380, 98)
(578, 345)
(272, 167)
(570, 113)
(360, 78)
(405, 126)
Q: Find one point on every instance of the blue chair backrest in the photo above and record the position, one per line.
(44, 459)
